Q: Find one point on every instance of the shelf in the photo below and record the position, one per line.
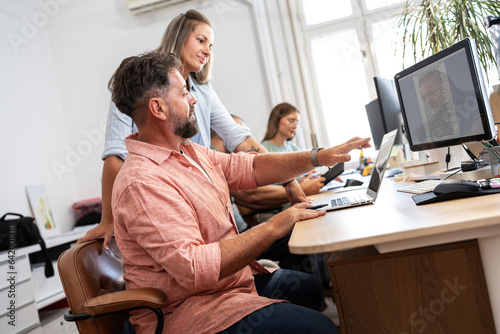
(61, 239)
(64, 238)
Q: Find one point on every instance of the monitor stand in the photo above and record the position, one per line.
(458, 154)
(428, 177)
(473, 175)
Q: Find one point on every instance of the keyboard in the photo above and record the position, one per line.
(420, 187)
(347, 200)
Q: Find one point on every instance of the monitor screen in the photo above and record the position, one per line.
(443, 99)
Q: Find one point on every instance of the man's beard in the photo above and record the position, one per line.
(187, 129)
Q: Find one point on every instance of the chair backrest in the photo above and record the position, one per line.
(88, 270)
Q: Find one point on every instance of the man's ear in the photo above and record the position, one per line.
(158, 108)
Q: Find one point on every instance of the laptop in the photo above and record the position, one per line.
(369, 195)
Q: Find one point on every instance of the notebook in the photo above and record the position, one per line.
(366, 196)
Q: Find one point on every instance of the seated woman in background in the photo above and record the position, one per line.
(281, 129)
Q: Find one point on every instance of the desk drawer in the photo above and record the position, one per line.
(21, 268)
(21, 293)
(438, 289)
(45, 287)
(25, 317)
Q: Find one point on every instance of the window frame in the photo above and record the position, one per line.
(360, 21)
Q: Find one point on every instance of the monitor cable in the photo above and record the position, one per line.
(448, 159)
(458, 170)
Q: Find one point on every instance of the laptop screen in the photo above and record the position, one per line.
(381, 163)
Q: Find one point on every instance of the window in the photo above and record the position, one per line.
(376, 4)
(347, 43)
(330, 10)
(338, 67)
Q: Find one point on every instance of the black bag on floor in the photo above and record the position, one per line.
(21, 232)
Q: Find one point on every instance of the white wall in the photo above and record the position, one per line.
(56, 59)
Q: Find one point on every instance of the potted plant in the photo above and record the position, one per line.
(429, 26)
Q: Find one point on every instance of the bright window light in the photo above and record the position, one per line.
(319, 11)
(341, 81)
(376, 4)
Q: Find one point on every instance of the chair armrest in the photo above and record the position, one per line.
(125, 300)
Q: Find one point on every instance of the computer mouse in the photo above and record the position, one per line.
(352, 182)
(456, 185)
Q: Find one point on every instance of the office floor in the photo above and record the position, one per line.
(331, 310)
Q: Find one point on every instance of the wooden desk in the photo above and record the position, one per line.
(394, 223)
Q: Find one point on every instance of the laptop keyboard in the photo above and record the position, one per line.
(340, 201)
(347, 200)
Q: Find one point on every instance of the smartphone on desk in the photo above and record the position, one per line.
(333, 172)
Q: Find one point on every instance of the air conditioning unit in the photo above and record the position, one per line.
(143, 6)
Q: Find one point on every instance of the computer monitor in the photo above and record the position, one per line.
(444, 100)
(389, 106)
(384, 113)
(376, 121)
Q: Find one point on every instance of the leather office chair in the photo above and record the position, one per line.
(92, 278)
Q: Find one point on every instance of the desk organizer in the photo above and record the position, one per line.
(494, 156)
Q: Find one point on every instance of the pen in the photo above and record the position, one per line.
(316, 207)
(471, 155)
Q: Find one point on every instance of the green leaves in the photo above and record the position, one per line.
(428, 26)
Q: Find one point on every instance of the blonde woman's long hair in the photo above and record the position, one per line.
(176, 34)
(278, 112)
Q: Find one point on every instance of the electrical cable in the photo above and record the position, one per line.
(459, 170)
(448, 159)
